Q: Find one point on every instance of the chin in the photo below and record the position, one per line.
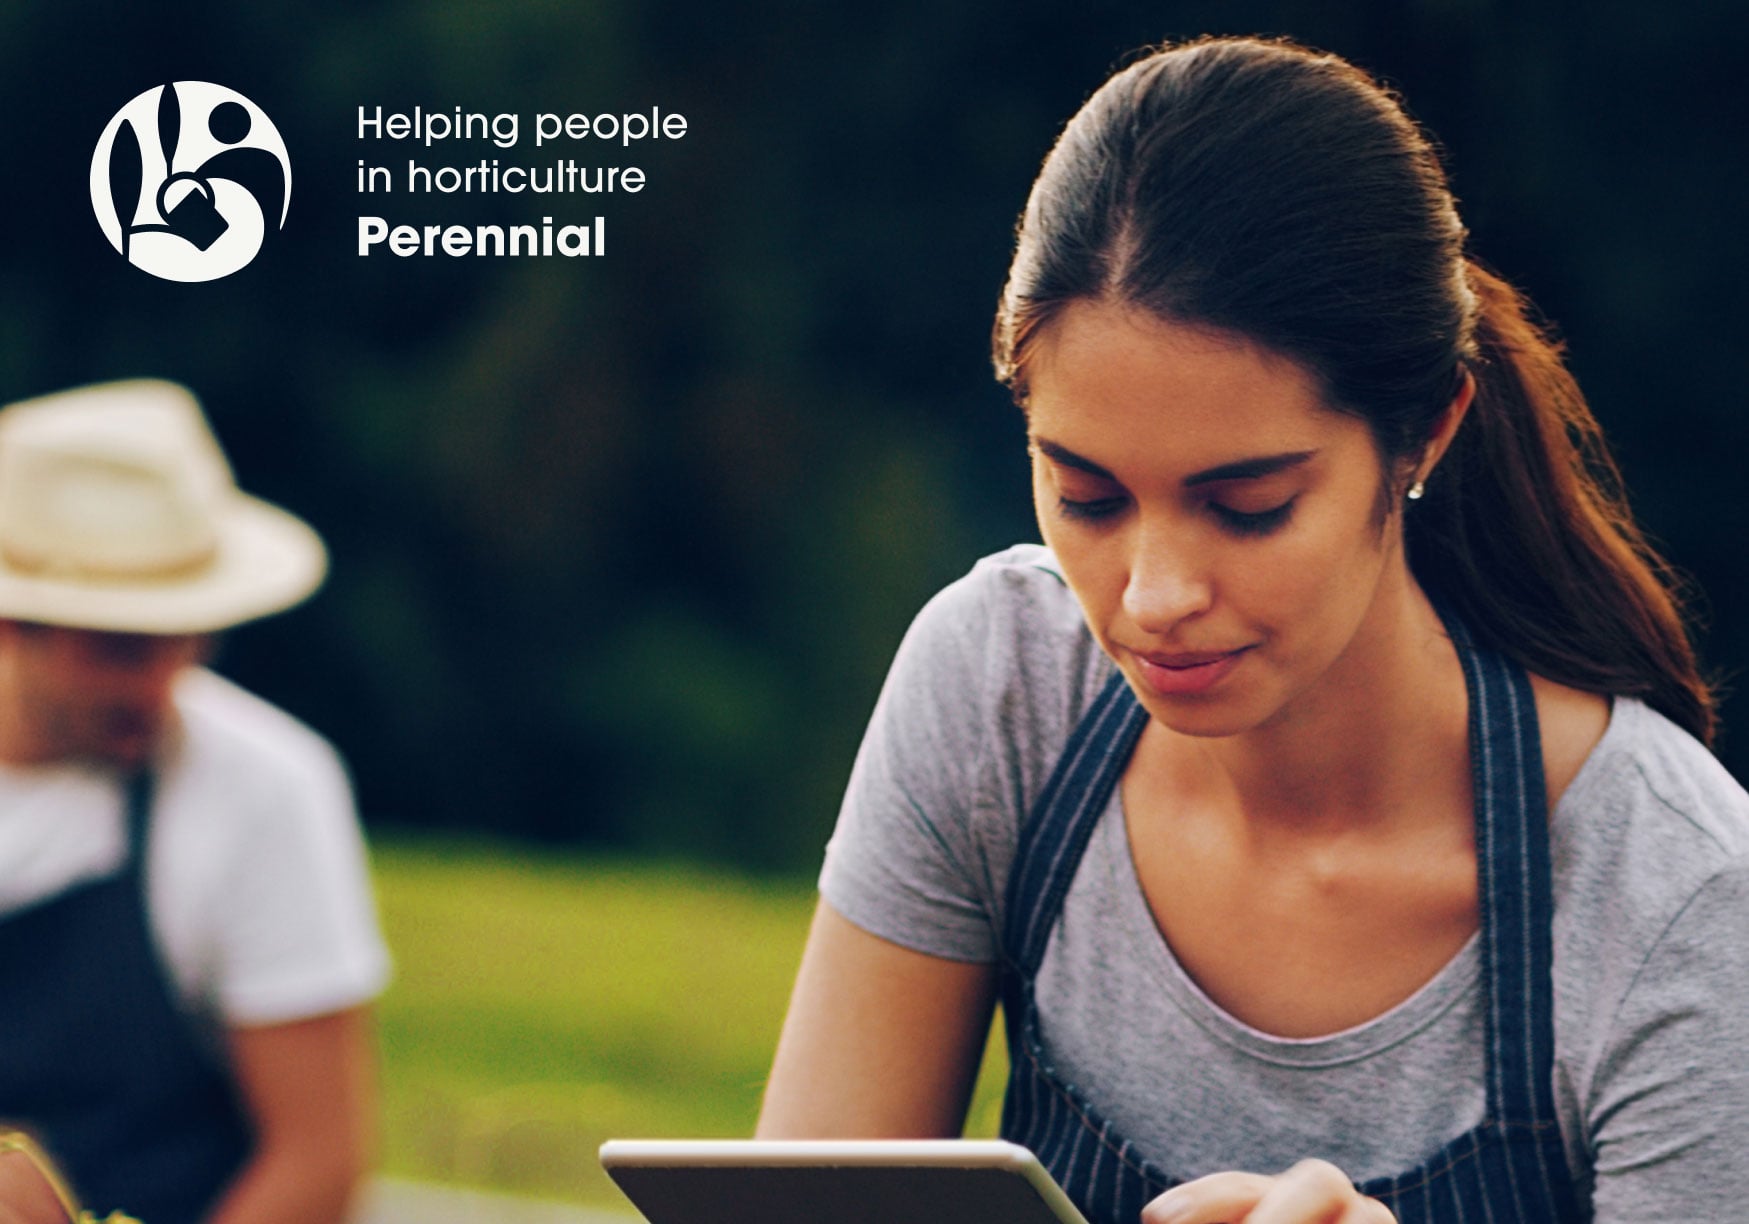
(125, 753)
(1205, 716)
(1208, 729)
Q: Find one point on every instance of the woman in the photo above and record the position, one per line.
(1330, 796)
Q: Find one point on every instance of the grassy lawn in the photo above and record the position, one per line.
(543, 1003)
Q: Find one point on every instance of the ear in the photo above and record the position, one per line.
(1447, 428)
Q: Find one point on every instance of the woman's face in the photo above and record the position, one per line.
(1219, 525)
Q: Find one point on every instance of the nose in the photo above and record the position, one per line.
(1169, 579)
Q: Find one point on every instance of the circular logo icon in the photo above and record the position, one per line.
(188, 179)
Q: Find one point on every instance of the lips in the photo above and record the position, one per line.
(1174, 674)
(1178, 662)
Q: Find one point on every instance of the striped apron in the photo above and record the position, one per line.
(97, 1057)
(1512, 1167)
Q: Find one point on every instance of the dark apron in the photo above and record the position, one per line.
(100, 1062)
(1512, 1167)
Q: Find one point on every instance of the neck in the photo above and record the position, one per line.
(1388, 721)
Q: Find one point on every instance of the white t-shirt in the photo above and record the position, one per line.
(257, 884)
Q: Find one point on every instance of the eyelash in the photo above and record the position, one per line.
(1253, 523)
(1090, 511)
(1238, 522)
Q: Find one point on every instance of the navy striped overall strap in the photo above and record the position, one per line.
(1052, 842)
(137, 794)
(1512, 876)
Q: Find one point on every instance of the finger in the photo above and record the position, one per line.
(1214, 1199)
(1317, 1192)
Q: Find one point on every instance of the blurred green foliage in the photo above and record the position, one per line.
(622, 545)
(542, 1004)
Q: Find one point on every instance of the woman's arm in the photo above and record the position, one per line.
(880, 1041)
(1668, 1102)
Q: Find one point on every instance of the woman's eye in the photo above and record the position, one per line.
(1091, 509)
(1252, 522)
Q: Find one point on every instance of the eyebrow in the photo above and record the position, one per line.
(1241, 469)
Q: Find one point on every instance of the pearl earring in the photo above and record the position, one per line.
(1417, 489)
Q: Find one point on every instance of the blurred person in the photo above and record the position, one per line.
(188, 943)
(1327, 802)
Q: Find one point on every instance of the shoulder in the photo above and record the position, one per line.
(236, 752)
(1019, 585)
(981, 697)
(1000, 664)
(1012, 627)
(1650, 800)
(1650, 845)
(242, 777)
(1651, 872)
(257, 877)
(221, 716)
(1649, 818)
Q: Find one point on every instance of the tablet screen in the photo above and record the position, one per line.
(845, 1182)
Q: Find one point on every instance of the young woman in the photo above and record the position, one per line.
(1329, 794)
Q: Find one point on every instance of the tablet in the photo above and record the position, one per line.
(862, 1181)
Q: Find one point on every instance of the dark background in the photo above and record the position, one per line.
(622, 545)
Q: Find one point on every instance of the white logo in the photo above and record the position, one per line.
(187, 180)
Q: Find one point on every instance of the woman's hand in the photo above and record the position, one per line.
(1312, 1192)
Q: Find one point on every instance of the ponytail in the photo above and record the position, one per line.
(1525, 531)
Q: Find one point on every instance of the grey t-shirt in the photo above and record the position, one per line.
(1650, 846)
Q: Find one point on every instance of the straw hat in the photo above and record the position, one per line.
(119, 512)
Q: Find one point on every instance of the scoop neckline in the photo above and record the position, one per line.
(1451, 983)
(1401, 1021)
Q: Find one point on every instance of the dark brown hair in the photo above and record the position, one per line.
(1264, 189)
